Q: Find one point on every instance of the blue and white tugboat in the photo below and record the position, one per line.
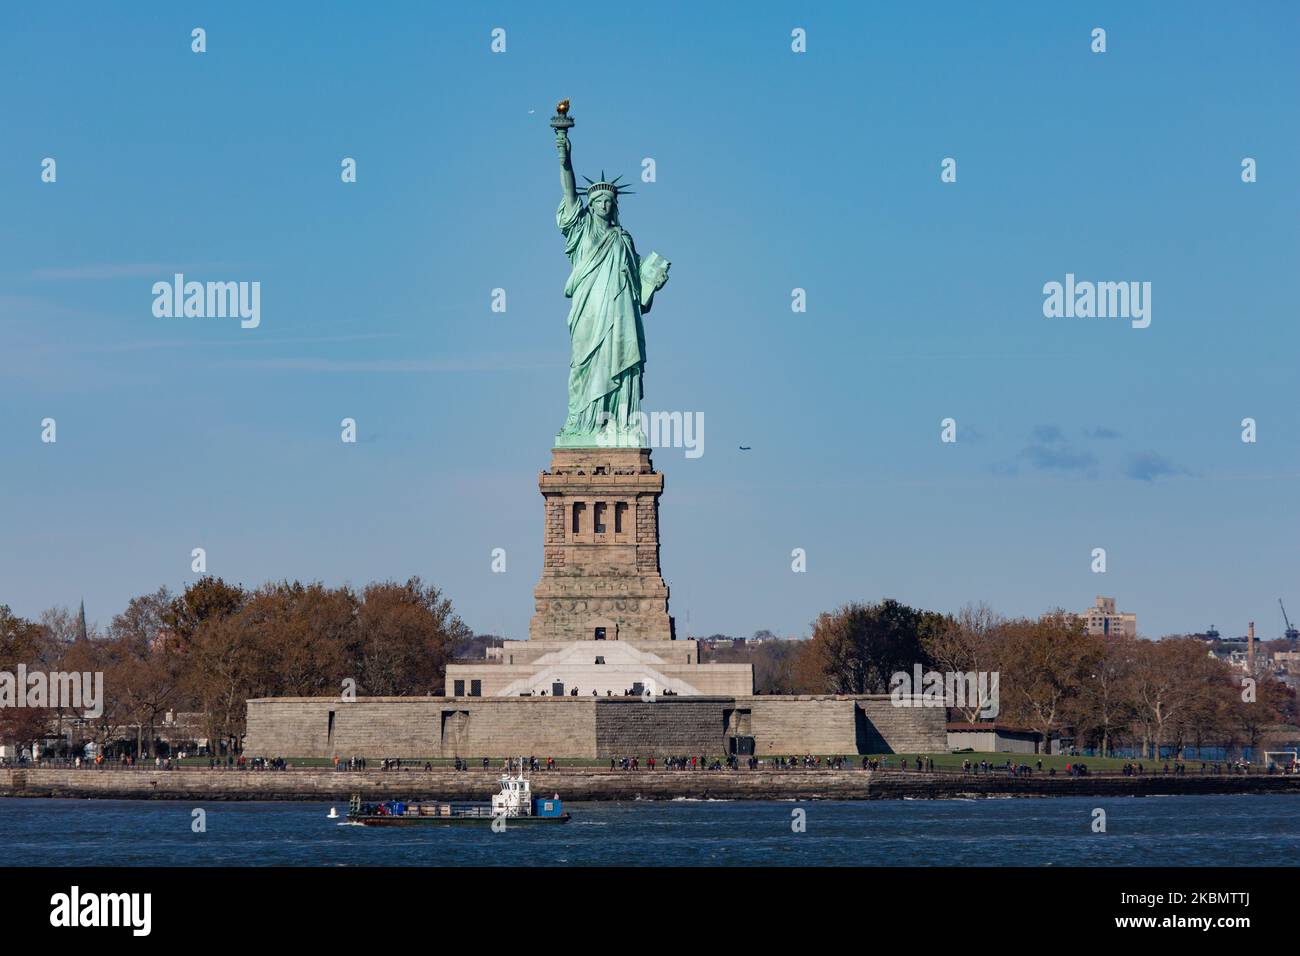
(514, 803)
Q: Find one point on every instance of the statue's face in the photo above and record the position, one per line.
(602, 206)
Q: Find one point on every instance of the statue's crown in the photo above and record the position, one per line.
(604, 185)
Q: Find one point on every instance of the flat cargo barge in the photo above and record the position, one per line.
(514, 805)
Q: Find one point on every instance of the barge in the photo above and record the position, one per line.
(514, 805)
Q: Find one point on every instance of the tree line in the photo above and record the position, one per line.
(214, 646)
(1110, 692)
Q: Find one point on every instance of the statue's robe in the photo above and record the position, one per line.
(608, 353)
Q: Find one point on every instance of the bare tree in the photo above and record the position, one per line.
(1107, 705)
(1045, 664)
(969, 643)
(1168, 677)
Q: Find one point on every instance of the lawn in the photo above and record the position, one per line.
(953, 761)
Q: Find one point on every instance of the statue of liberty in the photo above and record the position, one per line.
(611, 288)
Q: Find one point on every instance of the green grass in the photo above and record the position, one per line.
(947, 761)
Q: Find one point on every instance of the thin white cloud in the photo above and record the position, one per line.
(125, 270)
(237, 341)
(481, 364)
(119, 271)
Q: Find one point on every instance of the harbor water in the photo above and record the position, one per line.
(1226, 830)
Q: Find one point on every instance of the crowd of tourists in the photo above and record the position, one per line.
(1017, 769)
(733, 762)
(351, 763)
(806, 762)
(899, 762)
(921, 765)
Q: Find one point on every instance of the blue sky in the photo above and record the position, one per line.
(775, 170)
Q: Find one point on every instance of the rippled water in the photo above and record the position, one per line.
(1152, 831)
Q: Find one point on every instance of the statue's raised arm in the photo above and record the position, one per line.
(567, 182)
(565, 149)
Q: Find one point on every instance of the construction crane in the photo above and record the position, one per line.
(1291, 633)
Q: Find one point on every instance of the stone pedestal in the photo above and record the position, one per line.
(600, 576)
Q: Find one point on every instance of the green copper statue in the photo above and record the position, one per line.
(611, 288)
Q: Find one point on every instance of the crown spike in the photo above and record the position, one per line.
(615, 186)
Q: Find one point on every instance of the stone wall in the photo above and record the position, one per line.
(800, 725)
(891, 729)
(670, 726)
(334, 787)
(414, 727)
(474, 727)
(587, 784)
(834, 724)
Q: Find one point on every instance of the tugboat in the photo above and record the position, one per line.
(514, 803)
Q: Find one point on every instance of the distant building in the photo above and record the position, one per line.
(992, 737)
(1232, 653)
(1286, 662)
(1102, 620)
